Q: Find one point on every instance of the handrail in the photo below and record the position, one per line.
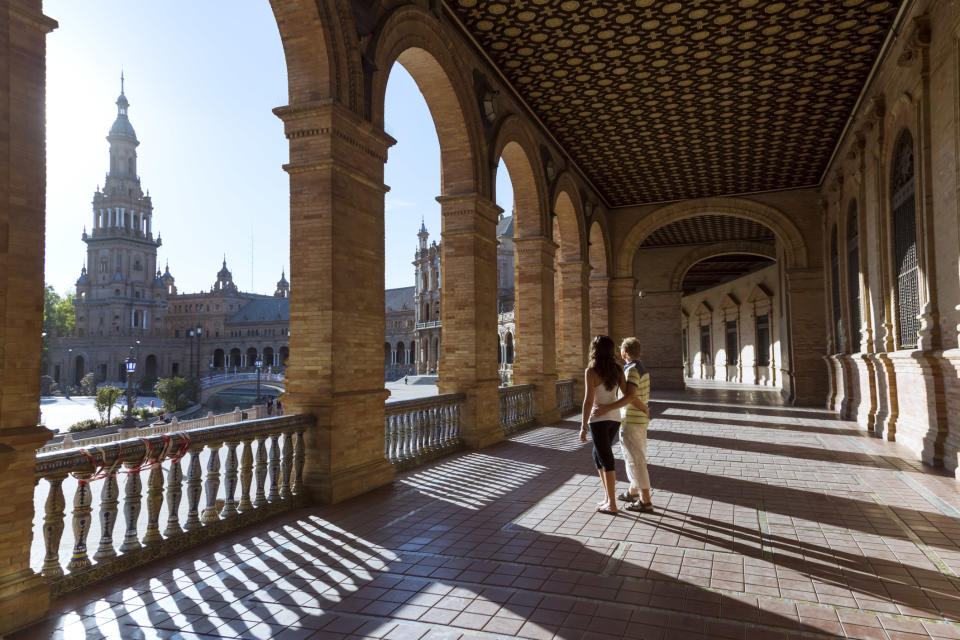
(421, 429)
(516, 407)
(565, 388)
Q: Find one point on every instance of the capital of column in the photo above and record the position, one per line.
(468, 213)
(622, 287)
(574, 272)
(534, 252)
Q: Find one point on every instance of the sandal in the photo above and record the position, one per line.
(626, 497)
(609, 512)
(641, 507)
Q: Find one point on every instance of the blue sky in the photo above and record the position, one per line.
(202, 78)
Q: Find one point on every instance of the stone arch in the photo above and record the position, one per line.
(598, 249)
(794, 246)
(711, 251)
(321, 50)
(411, 36)
(519, 152)
(565, 204)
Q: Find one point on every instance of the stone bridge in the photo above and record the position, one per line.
(212, 385)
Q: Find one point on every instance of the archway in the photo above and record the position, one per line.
(80, 369)
(218, 358)
(150, 367)
(599, 280)
(284, 355)
(236, 358)
(251, 357)
(268, 357)
(572, 286)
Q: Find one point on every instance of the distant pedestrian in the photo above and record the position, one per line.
(279, 407)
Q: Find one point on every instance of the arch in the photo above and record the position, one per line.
(853, 277)
(519, 152)
(251, 356)
(598, 250)
(794, 246)
(79, 367)
(268, 354)
(836, 311)
(150, 367)
(569, 219)
(906, 263)
(218, 358)
(284, 355)
(400, 352)
(711, 251)
(236, 357)
(411, 36)
(509, 348)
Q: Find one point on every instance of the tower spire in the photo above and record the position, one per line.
(121, 80)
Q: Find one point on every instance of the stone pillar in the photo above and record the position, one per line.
(661, 337)
(622, 294)
(468, 357)
(336, 327)
(24, 596)
(805, 336)
(534, 360)
(599, 306)
(575, 325)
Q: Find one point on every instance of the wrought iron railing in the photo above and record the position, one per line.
(269, 452)
(422, 429)
(565, 394)
(516, 407)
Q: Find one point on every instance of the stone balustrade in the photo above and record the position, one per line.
(264, 459)
(255, 412)
(565, 401)
(516, 407)
(422, 429)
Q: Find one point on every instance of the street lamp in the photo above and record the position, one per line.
(197, 334)
(258, 363)
(69, 368)
(131, 364)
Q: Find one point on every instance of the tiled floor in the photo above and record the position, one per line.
(771, 523)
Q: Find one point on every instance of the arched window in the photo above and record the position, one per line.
(902, 191)
(509, 348)
(853, 277)
(835, 290)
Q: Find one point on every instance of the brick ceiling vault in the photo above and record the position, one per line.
(658, 101)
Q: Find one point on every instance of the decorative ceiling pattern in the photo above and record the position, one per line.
(719, 269)
(659, 101)
(704, 229)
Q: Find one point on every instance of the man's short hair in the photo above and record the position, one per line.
(632, 347)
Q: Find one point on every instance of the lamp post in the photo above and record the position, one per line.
(131, 364)
(199, 331)
(66, 388)
(258, 363)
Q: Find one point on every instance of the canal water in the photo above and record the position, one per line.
(243, 397)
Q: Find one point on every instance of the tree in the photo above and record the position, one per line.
(58, 319)
(177, 393)
(105, 400)
(88, 384)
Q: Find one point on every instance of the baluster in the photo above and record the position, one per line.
(433, 425)
(402, 424)
(419, 427)
(260, 471)
(246, 475)
(286, 465)
(174, 493)
(211, 485)
(299, 457)
(457, 421)
(436, 430)
(53, 527)
(386, 436)
(274, 469)
(194, 486)
(154, 502)
(109, 499)
(230, 480)
(442, 426)
(132, 496)
(81, 522)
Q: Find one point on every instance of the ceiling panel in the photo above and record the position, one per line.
(704, 229)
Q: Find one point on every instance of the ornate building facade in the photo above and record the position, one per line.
(126, 306)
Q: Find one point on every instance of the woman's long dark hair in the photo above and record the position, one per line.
(602, 361)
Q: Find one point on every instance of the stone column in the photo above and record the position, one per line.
(24, 596)
(661, 337)
(336, 326)
(599, 305)
(534, 360)
(575, 325)
(805, 336)
(468, 359)
(621, 322)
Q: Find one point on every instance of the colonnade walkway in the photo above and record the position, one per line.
(770, 522)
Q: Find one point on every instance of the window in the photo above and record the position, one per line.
(905, 241)
(763, 341)
(835, 290)
(705, 354)
(733, 347)
(853, 277)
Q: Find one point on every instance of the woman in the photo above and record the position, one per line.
(602, 378)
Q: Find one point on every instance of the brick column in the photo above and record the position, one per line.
(806, 328)
(468, 354)
(622, 297)
(24, 596)
(660, 334)
(599, 305)
(535, 349)
(337, 311)
(575, 323)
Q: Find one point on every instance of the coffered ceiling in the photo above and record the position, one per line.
(658, 101)
(719, 269)
(709, 228)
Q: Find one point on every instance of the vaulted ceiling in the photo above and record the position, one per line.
(708, 228)
(719, 269)
(658, 101)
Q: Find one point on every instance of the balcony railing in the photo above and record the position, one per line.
(565, 394)
(516, 407)
(268, 452)
(433, 324)
(422, 429)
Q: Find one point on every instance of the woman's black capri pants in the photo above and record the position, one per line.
(603, 433)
